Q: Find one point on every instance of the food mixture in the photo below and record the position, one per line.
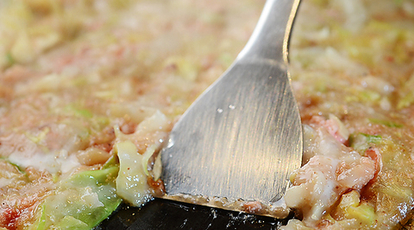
(90, 89)
(352, 67)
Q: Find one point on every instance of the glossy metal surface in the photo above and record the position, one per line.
(242, 138)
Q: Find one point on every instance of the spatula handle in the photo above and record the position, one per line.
(270, 37)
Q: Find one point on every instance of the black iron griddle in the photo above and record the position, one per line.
(169, 215)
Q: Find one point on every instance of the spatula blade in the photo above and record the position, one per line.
(243, 145)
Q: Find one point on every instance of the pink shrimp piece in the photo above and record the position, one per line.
(375, 155)
(252, 207)
(334, 126)
(356, 175)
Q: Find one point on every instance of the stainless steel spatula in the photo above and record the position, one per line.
(242, 138)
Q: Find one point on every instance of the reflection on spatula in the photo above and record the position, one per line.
(242, 138)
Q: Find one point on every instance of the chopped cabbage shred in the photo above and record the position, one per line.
(81, 201)
(131, 183)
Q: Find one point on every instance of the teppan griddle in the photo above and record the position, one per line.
(169, 215)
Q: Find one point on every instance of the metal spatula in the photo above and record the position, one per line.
(242, 138)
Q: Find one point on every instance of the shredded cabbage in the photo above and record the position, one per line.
(131, 183)
(81, 201)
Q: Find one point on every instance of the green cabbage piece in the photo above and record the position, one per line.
(131, 183)
(10, 59)
(81, 201)
(364, 213)
(361, 141)
(386, 123)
